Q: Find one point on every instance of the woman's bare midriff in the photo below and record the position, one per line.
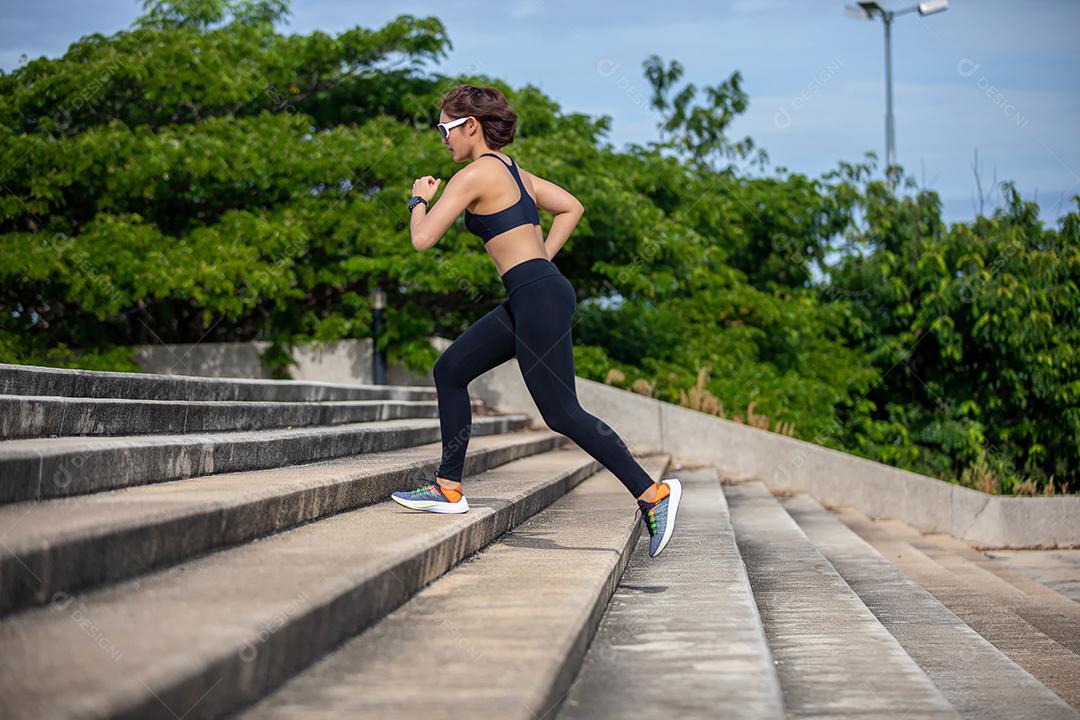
(515, 246)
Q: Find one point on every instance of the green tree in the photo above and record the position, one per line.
(974, 328)
(201, 177)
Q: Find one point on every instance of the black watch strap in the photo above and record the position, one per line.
(416, 200)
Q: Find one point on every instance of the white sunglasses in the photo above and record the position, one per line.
(444, 128)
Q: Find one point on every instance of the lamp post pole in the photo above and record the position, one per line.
(866, 11)
(890, 136)
(378, 362)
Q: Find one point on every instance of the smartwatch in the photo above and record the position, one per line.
(416, 200)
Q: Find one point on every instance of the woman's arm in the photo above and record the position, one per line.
(568, 211)
(427, 228)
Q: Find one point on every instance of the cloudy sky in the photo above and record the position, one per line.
(994, 77)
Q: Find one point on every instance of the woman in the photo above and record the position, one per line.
(500, 202)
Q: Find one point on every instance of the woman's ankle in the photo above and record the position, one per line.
(650, 493)
(655, 493)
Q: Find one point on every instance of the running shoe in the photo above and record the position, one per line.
(659, 516)
(431, 497)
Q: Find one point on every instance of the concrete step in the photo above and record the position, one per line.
(682, 636)
(1055, 569)
(40, 468)
(976, 678)
(832, 655)
(500, 636)
(65, 382)
(1050, 662)
(30, 416)
(1057, 616)
(68, 544)
(202, 638)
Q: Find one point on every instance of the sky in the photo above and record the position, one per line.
(992, 78)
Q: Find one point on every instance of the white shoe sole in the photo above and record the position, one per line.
(460, 506)
(673, 509)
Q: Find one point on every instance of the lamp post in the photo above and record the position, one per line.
(378, 362)
(867, 11)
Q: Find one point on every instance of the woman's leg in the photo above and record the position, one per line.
(542, 311)
(487, 343)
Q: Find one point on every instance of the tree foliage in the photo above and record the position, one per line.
(202, 177)
(976, 328)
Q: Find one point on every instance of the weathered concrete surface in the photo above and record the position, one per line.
(1055, 615)
(202, 638)
(71, 543)
(741, 451)
(966, 595)
(28, 416)
(39, 468)
(66, 382)
(1018, 522)
(975, 677)
(681, 636)
(500, 636)
(834, 658)
(1055, 569)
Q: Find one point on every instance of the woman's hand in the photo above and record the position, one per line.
(426, 187)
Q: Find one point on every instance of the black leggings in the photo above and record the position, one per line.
(533, 324)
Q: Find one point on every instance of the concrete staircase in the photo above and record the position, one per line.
(179, 547)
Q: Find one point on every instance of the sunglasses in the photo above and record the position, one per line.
(444, 128)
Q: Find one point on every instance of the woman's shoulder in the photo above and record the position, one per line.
(506, 160)
(481, 166)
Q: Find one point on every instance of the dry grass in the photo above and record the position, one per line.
(977, 476)
(699, 398)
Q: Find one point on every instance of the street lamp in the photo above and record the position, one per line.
(867, 11)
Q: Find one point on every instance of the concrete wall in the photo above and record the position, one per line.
(346, 361)
(736, 450)
(745, 452)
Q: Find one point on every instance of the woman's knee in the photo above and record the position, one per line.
(565, 420)
(446, 371)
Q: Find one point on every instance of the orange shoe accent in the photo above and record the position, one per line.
(662, 491)
(453, 494)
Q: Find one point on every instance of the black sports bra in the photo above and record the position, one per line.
(523, 212)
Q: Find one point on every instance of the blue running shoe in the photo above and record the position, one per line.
(659, 516)
(431, 497)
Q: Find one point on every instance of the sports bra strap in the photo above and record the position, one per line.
(512, 167)
(498, 158)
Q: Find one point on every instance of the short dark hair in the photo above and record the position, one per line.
(488, 105)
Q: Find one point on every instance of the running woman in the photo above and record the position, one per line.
(500, 201)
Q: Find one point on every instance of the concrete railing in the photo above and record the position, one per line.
(736, 450)
(837, 478)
